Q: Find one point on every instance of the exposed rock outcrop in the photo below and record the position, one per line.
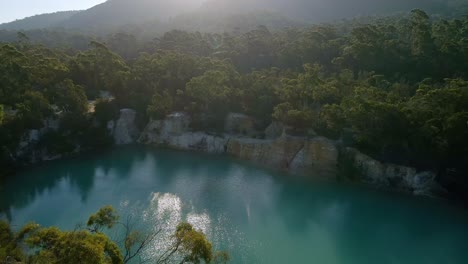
(28, 150)
(125, 131)
(393, 176)
(159, 131)
(174, 132)
(197, 141)
(274, 130)
(319, 156)
(316, 157)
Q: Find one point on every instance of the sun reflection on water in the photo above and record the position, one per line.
(163, 214)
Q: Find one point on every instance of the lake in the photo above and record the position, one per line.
(258, 216)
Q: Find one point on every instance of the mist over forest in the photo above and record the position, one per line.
(209, 15)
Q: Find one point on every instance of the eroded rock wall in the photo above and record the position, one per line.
(391, 176)
(125, 130)
(316, 157)
(174, 132)
(29, 150)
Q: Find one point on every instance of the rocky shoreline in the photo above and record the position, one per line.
(316, 157)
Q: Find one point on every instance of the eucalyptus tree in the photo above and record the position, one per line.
(89, 244)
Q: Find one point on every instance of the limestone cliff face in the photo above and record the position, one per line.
(319, 156)
(394, 176)
(29, 151)
(124, 130)
(274, 130)
(174, 132)
(197, 141)
(316, 157)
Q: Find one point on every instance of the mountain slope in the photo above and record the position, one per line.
(39, 21)
(115, 13)
(324, 10)
(195, 14)
(110, 14)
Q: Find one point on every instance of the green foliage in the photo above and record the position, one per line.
(259, 94)
(194, 245)
(14, 76)
(161, 105)
(214, 91)
(394, 87)
(165, 74)
(9, 250)
(56, 246)
(106, 217)
(33, 109)
(440, 120)
(191, 246)
(377, 123)
(1, 114)
(296, 118)
(106, 110)
(71, 98)
(51, 245)
(90, 246)
(332, 121)
(100, 69)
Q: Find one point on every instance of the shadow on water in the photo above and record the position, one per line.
(23, 188)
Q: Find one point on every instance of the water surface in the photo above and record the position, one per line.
(257, 215)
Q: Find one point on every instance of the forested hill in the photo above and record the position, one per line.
(326, 10)
(113, 13)
(39, 21)
(203, 14)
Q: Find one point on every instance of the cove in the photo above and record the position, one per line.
(258, 216)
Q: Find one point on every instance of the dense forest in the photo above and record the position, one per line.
(395, 87)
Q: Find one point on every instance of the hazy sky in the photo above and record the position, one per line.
(17, 9)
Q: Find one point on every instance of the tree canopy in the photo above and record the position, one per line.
(36, 244)
(394, 87)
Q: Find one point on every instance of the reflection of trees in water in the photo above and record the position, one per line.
(22, 189)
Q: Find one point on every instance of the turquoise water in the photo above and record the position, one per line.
(256, 215)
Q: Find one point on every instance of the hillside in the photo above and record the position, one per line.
(325, 10)
(116, 13)
(105, 16)
(39, 21)
(206, 15)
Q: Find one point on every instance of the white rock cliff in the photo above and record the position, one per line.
(394, 176)
(125, 130)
